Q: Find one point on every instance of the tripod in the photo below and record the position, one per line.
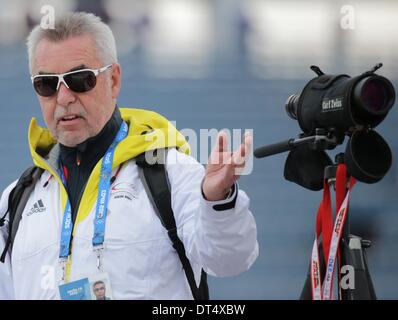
(352, 255)
(352, 248)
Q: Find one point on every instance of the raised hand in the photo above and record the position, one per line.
(224, 167)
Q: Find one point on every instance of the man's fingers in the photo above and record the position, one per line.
(221, 155)
(218, 153)
(243, 151)
(222, 142)
(248, 140)
(238, 158)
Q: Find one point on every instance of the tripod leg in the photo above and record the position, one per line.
(306, 293)
(353, 256)
(372, 291)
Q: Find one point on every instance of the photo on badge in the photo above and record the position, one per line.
(100, 287)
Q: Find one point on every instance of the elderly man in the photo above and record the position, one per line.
(88, 156)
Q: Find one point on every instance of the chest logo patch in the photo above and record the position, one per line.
(37, 207)
(124, 190)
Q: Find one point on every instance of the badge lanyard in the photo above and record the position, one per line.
(330, 235)
(100, 210)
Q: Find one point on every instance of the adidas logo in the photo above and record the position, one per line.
(38, 207)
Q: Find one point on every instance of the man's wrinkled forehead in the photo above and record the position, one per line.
(54, 57)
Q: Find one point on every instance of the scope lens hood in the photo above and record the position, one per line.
(367, 156)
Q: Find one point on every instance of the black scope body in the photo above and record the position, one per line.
(341, 102)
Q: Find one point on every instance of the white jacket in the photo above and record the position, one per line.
(138, 255)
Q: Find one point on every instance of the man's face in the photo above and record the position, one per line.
(99, 291)
(74, 117)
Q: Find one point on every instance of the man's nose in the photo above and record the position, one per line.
(65, 96)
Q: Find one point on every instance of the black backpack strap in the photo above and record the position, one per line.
(156, 183)
(17, 200)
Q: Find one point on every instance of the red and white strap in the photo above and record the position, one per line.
(330, 236)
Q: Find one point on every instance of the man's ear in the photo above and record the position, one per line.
(116, 78)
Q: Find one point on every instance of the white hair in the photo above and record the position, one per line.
(75, 24)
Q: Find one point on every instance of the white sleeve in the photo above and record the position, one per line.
(223, 242)
(6, 285)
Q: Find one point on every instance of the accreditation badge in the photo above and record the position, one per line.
(96, 287)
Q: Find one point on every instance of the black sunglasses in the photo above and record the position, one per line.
(82, 80)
